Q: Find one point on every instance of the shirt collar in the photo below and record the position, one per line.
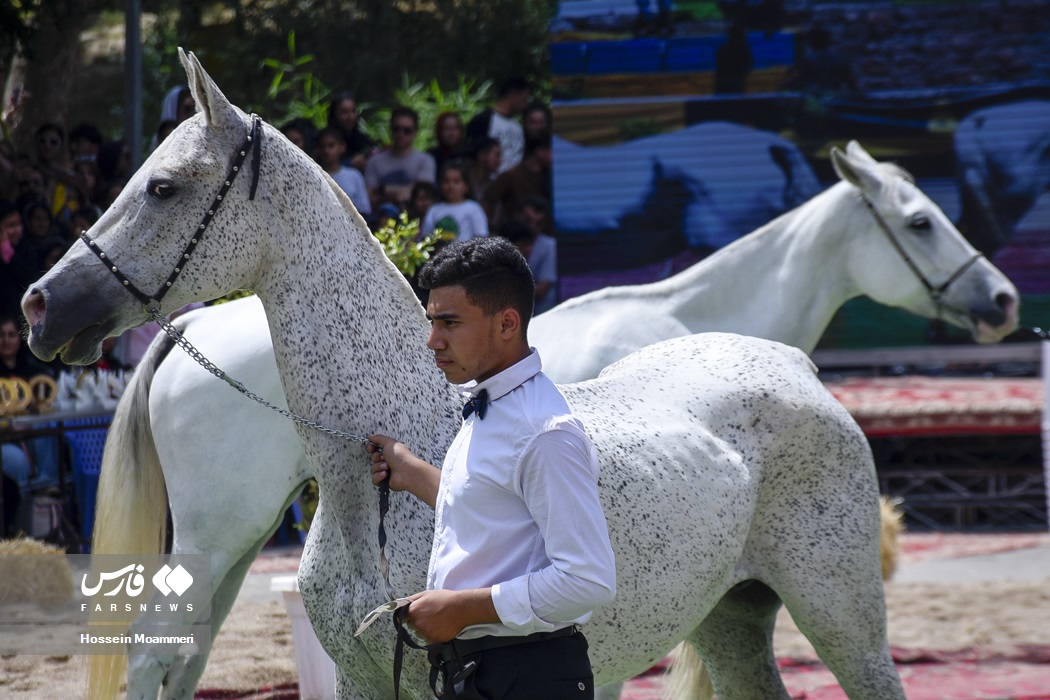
(501, 384)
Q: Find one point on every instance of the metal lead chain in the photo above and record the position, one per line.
(207, 364)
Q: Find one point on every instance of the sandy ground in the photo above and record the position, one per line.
(255, 647)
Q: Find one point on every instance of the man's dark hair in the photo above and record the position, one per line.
(513, 83)
(88, 132)
(492, 272)
(405, 112)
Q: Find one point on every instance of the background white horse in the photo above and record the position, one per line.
(732, 480)
(786, 280)
(783, 282)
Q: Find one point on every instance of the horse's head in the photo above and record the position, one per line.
(907, 253)
(143, 240)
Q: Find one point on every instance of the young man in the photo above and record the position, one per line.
(501, 122)
(521, 551)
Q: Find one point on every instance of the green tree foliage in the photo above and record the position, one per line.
(367, 46)
(429, 100)
(401, 243)
(295, 91)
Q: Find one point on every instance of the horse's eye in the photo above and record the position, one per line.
(919, 222)
(161, 190)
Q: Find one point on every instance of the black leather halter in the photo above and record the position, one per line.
(937, 291)
(253, 143)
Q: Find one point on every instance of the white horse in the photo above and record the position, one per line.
(786, 280)
(731, 479)
(783, 282)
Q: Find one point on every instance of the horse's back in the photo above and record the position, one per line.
(731, 386)
(581, 337)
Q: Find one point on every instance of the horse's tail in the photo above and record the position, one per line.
(131, 503)
(688, 678)
(891, 518)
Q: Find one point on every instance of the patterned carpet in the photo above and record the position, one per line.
(941, 405)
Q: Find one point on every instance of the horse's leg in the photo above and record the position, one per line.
(844, 617)
(177, 675)
(735, 641)
(186, 671)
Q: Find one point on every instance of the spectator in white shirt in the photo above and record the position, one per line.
(468, 218)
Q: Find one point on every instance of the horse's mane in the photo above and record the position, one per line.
(352, 213)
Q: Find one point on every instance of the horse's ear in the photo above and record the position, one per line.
(856, 170)
(217, 109)
(857, 152)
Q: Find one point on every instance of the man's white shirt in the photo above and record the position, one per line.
(517, 509)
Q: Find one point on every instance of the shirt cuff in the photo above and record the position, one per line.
(511, 600)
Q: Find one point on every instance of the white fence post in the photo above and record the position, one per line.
(1044, 372)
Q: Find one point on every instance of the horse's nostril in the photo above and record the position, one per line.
(1004, 301)
(34, 307)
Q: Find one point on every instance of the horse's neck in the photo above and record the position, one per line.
(783, 282)
(350, 338)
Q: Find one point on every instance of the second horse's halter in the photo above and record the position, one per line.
(935, 291)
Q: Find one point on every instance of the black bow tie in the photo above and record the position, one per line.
(479, 403)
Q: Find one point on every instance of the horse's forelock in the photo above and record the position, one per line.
(899, 171)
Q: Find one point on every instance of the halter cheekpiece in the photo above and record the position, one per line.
(252, 143)
(935, 292)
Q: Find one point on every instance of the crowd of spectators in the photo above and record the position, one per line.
(487, 174)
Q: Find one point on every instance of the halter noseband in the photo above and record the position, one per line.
(935, 292)
(253, 143)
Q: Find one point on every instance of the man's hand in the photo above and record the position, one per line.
(406, 471)
(438, 616)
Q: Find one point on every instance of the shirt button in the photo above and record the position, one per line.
(581, 686)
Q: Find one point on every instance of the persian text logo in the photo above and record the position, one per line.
(166, 580)
(129, 578)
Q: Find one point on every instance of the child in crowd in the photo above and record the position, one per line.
(331, 147)
(456, 208)
(424, 196)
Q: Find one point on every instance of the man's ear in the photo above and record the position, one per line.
(510, 323)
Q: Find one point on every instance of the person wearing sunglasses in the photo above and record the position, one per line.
(53, 159)
(391, 173)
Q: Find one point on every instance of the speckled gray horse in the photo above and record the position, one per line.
(731, 479)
